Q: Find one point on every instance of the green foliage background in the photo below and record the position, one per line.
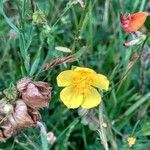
(93, 33)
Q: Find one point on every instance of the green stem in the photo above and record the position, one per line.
(102, 132)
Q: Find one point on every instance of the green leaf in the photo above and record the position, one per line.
(147, 23)
(35, 63)
(146, 129)
(80, 52)
(8, 19)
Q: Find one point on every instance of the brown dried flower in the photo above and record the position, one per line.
(20, 118)
(22, 113)
(34, 94)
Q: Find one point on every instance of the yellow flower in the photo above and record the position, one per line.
(79, 88)
(131, 141)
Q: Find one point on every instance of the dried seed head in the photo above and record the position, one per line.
(34, 94)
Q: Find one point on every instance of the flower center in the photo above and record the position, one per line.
(82, 82)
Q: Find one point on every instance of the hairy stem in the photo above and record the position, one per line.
(102, 132)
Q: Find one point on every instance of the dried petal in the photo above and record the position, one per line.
(8, 129)
(2, 138)
(3, 102)
(35, 115)
(21, 116)
(22, 84)
(44, 88)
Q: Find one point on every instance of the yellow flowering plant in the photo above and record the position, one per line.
(80, 87)
(131, 141)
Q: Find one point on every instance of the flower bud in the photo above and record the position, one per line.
(38, 18)
(133, 22)
(46, 29)
(11, 92)
(8, 108)
(51, 138)
(131, 141)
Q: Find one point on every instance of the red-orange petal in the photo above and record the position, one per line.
(133, 22)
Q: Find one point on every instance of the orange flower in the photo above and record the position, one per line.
(133, 22)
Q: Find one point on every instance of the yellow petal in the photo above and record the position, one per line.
(101, 81)
(91, 98)
(71, 97)
(84, 69)
(65, 78)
